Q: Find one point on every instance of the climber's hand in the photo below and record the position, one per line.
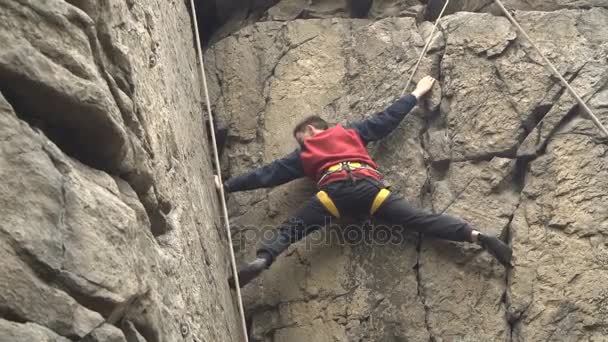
(423, 86)
(218, 184)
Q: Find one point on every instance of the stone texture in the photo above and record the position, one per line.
(581, 60)
(27, 234)
(110, 229)
(81, 97)
(487, 146)
(27, 332)
(220, 18)
(292, 9)
(478, 119)
(107, 207)
(395, 8)
(107, 333)
(482, 194)
(434, 7)
(559, 237)
(131, 332)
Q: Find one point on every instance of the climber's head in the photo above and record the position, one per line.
(308, 127)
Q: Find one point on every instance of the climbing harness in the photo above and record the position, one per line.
(344, 166)
(328, 203)
(379, 200)
(594, 118)
(348, 166)
(219, 172)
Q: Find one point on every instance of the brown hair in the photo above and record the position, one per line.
(313, 120)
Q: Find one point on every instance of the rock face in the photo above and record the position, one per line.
(291, 9)
(499, 143)
(434, 7)
(109, 227)
(220, 18)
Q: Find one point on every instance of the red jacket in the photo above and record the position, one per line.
(334, 145)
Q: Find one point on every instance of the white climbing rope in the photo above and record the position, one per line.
(426, 46)
(594, 118)
(219, 173)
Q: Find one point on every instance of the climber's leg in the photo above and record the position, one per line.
(310, 217)
(396, 210)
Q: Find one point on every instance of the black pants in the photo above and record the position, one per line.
(355, 198)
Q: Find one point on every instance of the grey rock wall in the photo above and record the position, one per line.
(292, 9)
(434, 7)
(499, 143)
(109, 229)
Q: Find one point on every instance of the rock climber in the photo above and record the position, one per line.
(349, 183)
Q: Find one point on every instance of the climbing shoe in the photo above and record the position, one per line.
(249, 272)
(500, 250)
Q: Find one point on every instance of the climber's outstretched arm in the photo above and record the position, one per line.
(383, 123)
(276, 173)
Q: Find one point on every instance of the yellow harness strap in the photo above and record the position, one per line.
(339, 167)
(328, 203)
(380, 198)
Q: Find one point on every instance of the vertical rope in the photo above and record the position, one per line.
(219, 173)
(594, 118)
(426, 46)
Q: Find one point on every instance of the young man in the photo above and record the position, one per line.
(349, 183)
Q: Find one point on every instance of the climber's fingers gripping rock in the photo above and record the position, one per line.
(217, 182)
(423, 86)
